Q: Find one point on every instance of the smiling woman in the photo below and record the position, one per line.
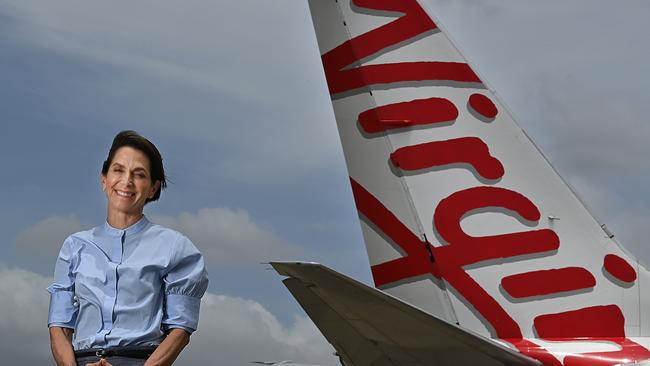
(132, 176)
(127, 292)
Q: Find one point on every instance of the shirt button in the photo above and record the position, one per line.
(75, 304)
(75, 298)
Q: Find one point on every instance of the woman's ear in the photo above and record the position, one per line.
(154, 189)
(102, 180)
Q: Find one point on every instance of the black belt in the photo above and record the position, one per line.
(132, 352)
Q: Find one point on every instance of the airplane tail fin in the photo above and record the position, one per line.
(461, 214)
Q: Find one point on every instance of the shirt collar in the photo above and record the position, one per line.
(133, 229)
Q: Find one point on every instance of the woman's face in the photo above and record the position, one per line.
(127, 183)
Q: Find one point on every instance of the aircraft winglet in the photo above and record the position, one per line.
(369, 327)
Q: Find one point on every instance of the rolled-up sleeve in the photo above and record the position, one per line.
(185, 283)
(63, 312)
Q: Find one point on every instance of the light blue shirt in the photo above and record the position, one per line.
(126, 287)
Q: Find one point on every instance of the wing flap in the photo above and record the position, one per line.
(369, 327)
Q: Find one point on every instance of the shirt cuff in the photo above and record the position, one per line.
(174, 326)
(62, 309)
(181, 312)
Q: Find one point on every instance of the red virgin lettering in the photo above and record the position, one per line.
(548, 282)
(594, 322)
(345, 74)
(408, 114)
(467, 150)
(483, 106)
(413, 23)
(415, 263)
(619, 268)
(462, 249)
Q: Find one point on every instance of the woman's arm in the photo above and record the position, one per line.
(61, 344)
(169, 349)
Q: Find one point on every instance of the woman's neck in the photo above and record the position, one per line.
(121, 220)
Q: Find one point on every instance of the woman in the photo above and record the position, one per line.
(127, 292)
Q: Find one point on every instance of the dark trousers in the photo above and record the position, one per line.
(114, 360)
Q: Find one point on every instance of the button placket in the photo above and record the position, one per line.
(116, 260)
(108, 308)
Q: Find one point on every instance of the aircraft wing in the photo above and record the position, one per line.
(369, 327)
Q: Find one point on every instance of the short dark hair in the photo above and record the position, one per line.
(138, 142)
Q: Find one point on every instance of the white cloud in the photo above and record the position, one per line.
(230, 237)
(224, 236)
(235, 331)
(44, 239)
(232, 331)
(23, 305)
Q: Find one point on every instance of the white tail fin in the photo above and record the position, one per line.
(461, 214)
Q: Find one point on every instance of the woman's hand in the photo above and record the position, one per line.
(101, 362)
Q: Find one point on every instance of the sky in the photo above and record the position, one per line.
(233, 94)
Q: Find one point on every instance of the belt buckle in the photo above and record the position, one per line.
(101, 353)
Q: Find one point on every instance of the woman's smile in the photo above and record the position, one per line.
(124, 194)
